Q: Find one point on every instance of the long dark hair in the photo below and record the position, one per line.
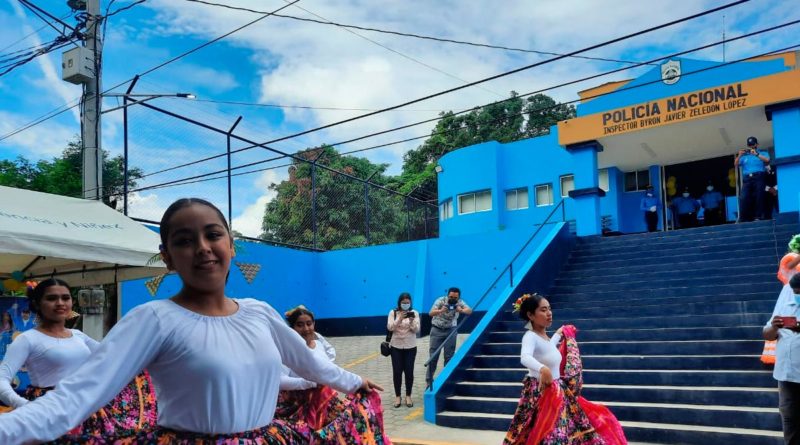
(530, 304)
(180, 204)
(36, 294)
(403, 296)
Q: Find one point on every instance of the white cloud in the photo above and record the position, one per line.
(44, 141)
(317, 65)
(146, 205)
(249, 220)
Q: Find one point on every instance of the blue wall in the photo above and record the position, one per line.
(356, 288)
(501, 167)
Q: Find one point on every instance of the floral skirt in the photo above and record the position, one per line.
(550, 417)
(276, 433)
(321, 418)
(132, 411)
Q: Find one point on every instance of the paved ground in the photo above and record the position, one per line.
(404, 425)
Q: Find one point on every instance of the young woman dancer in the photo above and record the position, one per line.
(550, 410)
(52, 352)
(315, 411)
(215, 361)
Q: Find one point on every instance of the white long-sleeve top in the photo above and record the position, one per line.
(48, 359)
(537, 352)
(404, 330)
(212, 375)
(291, 381)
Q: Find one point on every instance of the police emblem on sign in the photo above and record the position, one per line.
(671, 72)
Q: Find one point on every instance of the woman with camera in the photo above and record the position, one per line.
(403, 322)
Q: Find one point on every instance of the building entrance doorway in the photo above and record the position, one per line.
(714, 207)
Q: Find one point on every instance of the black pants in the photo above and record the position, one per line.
(687, 220)
(403, 363)
(751, 201)
(713, 216)
(789, 406)
(651, 218)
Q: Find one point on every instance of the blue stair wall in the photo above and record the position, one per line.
(670, 333)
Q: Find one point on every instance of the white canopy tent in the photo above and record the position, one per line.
(80, 241)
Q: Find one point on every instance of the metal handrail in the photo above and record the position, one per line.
(510, 269)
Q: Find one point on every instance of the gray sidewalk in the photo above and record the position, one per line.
(404, 425)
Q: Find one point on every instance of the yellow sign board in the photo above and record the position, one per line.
(685, 107)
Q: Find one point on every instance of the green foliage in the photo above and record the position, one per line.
(62, 175)
(506, 121)
(340, 204)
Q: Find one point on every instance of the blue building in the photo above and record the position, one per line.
(672, 129)
(507, 212)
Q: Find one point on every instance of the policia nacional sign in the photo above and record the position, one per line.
(695, 105)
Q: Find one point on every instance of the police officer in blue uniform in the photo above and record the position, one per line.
(649, 205)
(712, 205)
(753, 163)
(686, 208)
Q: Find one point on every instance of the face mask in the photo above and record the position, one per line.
(405, 306)
(452, 300)
(685, 195)
(710, 188)
(650, 194)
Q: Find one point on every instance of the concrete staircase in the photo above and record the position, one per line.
(669, 329)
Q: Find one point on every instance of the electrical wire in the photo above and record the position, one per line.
(681, 53)
(403, 55)
(298, 107)
(48, 116)
(411, 35)
(508, 73)
(205, 176)
(123, 8)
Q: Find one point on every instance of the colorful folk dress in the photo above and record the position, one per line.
(558, 415)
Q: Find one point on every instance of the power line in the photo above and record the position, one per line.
(123, 8)
(50, 115)
(27, 36)
(206, 176)
(472, 108)
(508, 73)
(298, 107)
(576, 81)
(392, 50)
(411, 35)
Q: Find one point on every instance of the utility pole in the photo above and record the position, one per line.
(90, 119)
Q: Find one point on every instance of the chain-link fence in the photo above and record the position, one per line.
(315, 198)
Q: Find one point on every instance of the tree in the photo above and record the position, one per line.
(506, 121)
(62, 175)
(340, 203)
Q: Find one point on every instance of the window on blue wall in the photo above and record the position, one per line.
(636, 181)
(567, 185)
(544, 195)
(475, 202)
(446, 210)
(517, 199)
(602, 179)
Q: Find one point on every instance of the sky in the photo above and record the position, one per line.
(295, 75)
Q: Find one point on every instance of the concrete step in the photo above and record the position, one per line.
(680, 307)
(695, 395)
(690, 347)
(671, 321)
(745, 332)
(671, 362)
(708, 302)
(646, 377)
